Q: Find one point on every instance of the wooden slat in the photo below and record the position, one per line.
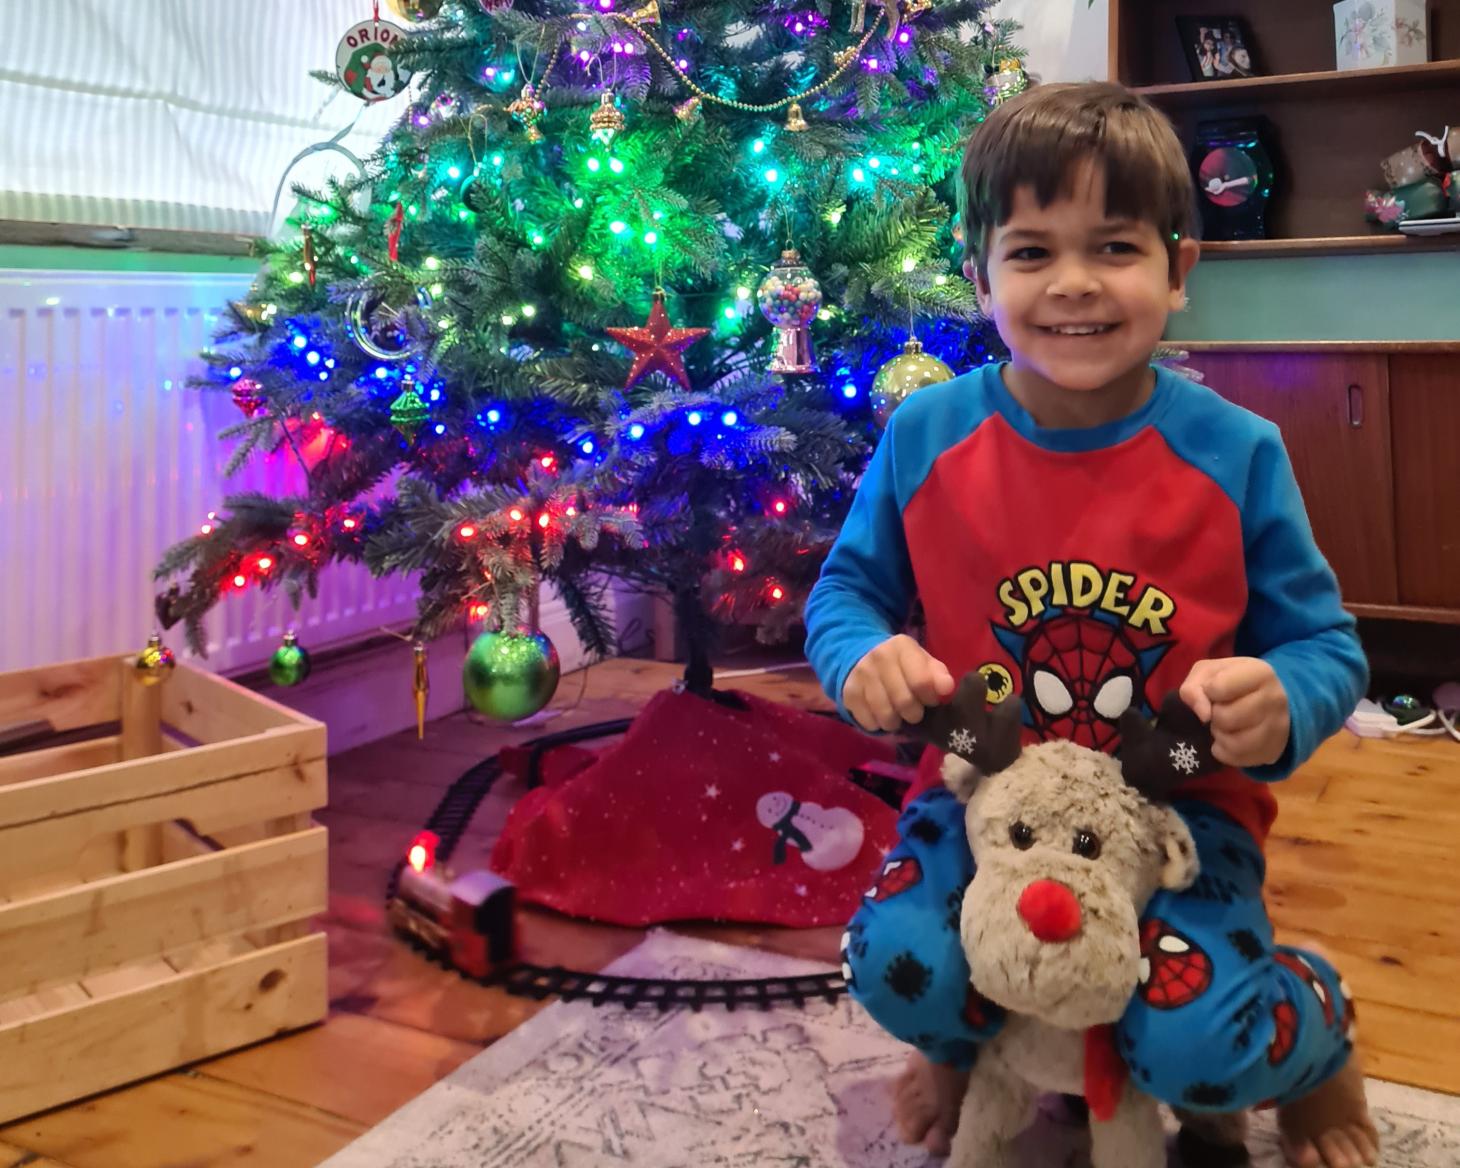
(210, 953)
(44, 823)
(126, 979)
(69, 935)
(59, 760)
(64, 1056)
(61, 997)
(210, 709)
(69, 696)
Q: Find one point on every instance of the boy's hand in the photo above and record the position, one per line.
(893, 683)
(1246, 705)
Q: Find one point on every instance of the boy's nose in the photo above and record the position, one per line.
(1050, 910)
(1073, 279)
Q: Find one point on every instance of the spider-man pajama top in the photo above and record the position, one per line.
(1085, 572)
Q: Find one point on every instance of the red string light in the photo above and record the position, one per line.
(777, 593)
(515, 514)
(240, 580)
(543, 520)
(349, 524)
(265, 563)
(466, 531)
(206, 529)
(301, 540)
(547, 461)
(737, 563)
(779, 506)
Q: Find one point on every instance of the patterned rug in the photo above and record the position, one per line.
(577, 1087)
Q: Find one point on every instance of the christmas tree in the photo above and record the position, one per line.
(609, 302)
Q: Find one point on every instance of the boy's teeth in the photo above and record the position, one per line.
(1081, 330)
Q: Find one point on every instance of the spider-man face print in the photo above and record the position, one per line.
(1285, 1032)
(897, 876)
(1308, 974)
(1175, 971)
(1081, 672)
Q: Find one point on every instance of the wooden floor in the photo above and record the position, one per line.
(1361, 864)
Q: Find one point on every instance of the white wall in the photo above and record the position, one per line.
(1066, 40)
(171, 113)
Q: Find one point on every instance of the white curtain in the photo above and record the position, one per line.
(172, 113)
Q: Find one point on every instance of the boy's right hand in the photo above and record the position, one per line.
(895, 683)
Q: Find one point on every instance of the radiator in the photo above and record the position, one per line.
(106, 458)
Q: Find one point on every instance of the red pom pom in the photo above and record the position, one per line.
(1050, 910)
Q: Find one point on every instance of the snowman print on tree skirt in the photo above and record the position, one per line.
(828, 838)
(366, 60)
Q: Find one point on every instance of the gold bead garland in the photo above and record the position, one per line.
(843, 61)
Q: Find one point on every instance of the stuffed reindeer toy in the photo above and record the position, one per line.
(1069, 845)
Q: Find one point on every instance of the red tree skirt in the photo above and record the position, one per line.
(703, 812)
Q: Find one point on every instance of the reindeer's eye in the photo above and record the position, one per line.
(1087, 844)
(1021, 835)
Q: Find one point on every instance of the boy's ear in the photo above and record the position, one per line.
(980, 285)
(1188, 251)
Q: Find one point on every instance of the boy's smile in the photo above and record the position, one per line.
(1081, 299)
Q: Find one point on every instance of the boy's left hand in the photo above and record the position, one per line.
(1246, 705)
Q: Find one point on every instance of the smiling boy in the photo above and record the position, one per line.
(1090, 532)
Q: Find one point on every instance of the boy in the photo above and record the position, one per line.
(1090, 533)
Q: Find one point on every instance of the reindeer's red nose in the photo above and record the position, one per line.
(1050, 910)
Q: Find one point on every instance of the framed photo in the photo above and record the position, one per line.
(1218, 48)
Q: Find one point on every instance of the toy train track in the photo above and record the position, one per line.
(465, 923)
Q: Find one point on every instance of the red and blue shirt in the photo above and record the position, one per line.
(1086, 571)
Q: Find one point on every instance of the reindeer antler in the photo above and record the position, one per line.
(966, 726)
(1157, 758)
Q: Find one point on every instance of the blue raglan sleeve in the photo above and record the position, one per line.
(1295, 620)
(866, 585)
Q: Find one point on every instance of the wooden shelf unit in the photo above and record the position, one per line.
(1331, 129)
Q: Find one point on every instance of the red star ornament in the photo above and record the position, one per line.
(658, 347)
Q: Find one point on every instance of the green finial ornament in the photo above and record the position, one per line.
(408, 413)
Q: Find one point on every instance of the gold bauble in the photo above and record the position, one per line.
(910, 370)
(607, 120)
(155, 663)
(689, 112)
(646, 13)
(795, 119)
(416, 10)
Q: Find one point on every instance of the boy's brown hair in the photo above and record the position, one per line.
(1040, 138)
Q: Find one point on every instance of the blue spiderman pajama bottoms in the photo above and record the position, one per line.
(1223, 1019)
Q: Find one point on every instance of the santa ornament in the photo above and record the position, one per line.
(366, 60)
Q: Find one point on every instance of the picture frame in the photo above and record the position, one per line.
(1218, 48)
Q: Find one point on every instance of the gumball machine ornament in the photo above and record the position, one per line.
(790, 298)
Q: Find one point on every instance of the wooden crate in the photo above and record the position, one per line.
(157, 879)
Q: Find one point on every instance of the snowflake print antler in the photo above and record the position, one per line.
(1158, 757)
(989, 738)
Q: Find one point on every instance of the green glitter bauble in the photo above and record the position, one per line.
(510, 676)
(290, 663)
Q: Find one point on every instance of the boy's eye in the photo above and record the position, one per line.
(1122, 247)
(1027, 254)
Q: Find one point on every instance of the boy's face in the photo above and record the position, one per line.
(1079, 298)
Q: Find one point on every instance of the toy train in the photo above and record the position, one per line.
(465, 921)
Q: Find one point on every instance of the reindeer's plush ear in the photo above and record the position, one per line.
(1180, 867)
(960, 776)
